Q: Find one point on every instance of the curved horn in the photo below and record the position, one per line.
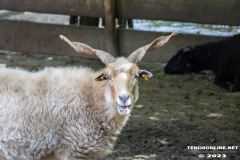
(138, 54)
(82, 48)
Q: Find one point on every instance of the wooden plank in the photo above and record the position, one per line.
(131, 40)
(88, 8)
(44, 38)
(198, 11)
(110, 27)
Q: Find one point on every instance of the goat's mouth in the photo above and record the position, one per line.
(123, 110)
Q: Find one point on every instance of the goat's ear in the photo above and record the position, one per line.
(102, 77)
(138, 54)
(145, 74)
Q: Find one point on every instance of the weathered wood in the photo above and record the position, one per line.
(110, 27)
(88, 8)
(44, 38)
(198, 11)
(130, 40)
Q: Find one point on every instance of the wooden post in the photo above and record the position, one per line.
(110, 27)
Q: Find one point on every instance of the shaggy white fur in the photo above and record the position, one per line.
(56, 110)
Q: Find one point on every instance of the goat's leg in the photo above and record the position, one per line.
(235, 86)
(235, 70)
(222, 82)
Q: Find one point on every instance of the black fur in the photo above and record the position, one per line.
(222, 57)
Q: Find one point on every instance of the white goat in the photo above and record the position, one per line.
(69, 113)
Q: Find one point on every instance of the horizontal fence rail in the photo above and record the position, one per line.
(90, 8)
(199, 11)
(44, 38)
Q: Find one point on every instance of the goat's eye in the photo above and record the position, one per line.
(103, 77)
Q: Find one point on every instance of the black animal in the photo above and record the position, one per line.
(221, 57)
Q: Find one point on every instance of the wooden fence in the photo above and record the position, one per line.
(43, 38)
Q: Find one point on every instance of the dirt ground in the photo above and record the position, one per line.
(173, 112)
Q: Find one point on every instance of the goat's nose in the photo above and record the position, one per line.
(124, 97)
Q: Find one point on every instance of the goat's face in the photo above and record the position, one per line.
(122, 84)
(182, 62)
(121, 74)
